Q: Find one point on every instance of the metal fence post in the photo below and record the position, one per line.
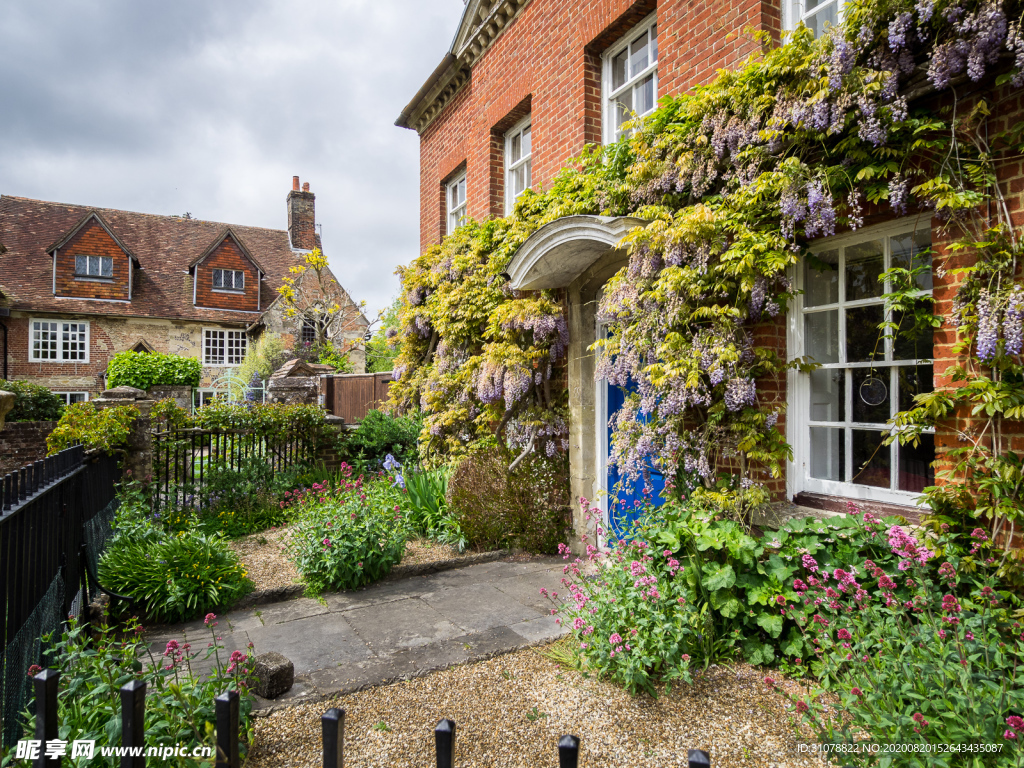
(227, 730)
(568, 752)
(333, 722)
(46, 684)
(444, 743)
(133, 723)
(698, 758)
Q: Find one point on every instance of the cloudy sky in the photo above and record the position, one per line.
(212, 107)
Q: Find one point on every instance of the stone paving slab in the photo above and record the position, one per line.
(393, 630)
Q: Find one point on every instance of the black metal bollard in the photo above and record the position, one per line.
(698, 758)
(444, 743)
(227, 730)
(46, 683)
(133, 723)
(333, 722)
(568, 752)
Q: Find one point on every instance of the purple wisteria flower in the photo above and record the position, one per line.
(1013, 321)
(988, 327)
(740, 392)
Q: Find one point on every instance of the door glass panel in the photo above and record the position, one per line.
(865, 262)
(916, 472)
(828, 394)
(864, 341)
(821, 279)
(821, 336)
(910, 343)
(828, 453)
(871, 395)
(871, 459)
(911, 251)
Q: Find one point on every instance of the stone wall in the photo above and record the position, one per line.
(23, 442)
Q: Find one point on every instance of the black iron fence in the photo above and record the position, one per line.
(186, 462)
(55, 515)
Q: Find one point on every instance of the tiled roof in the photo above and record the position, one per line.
(165, 246)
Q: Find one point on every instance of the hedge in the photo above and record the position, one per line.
(33, 403)
(149, 369)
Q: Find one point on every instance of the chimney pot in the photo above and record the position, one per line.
(301, 217)
(295, 183)
(305, 186)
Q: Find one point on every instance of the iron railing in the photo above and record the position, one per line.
(45, 511)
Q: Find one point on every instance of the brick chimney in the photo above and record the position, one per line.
(301, 216)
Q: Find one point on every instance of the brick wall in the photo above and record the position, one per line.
(23, 442)
(92, 240)
(227, 255)
(549, 58)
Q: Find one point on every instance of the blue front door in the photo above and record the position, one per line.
(625, 497)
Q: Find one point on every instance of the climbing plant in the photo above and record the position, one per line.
(734, 179)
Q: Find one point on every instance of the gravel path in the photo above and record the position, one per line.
(510, 711)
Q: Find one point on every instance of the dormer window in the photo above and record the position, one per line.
(228, 280)
(100, 267)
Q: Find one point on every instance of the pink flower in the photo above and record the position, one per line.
(769, 681)
(857, 692)
(34, 670)
(1009, 735)
(811, 565)
(919, 719)
(686, 657)
(844, 634)
(615, 639)
(1015, 722)
(801, 706)
(210, 617)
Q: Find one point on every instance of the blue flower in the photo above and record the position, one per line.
(399, 481)
(391, 463)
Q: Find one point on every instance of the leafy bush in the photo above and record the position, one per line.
(378, 435)
(99, 429)
(174, 576)
(526, 508)
(94, 664)
(426, 503)
(263, 356)
(933, 669)
(148, 369)
(33, 402)
(346, 537)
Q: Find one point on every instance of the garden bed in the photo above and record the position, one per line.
(511, 710)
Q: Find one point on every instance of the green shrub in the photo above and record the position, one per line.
(148, 369)
(347, 537)
(526, 508)
(426, 504)
(243, 500)
(95, 662)
(99, 429)
(173, 576)
(378, 435)
(33, 402)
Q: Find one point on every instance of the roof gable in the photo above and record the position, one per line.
(92, 216)
(227, 234)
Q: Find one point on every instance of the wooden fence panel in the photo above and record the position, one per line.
(352, 395)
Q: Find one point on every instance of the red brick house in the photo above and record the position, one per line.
(80, 284)
(527, 84)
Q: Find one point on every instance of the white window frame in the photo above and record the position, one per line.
(66, 396)
(455, 215)
(798, 423)
(609, 93)
(795, 11)
(525, 161)
(59, 343)
(220, 339)
(201, 397)
(236, 276)
(88, 275)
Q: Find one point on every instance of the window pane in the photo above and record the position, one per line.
(828, 454)
(619, 69)
(910, 343)
(218, 278)
(821, 279)
(821, 336)
(820, 21)
(638, 61)
(515, 151)
(527, 140)
(911, 251)
(916, 472)
(623, 107)
(828, 395)
(81, 265)
(239, 280)
(654, 43)
(864, 340)
(76, 397)
(913, 381)
(871, 395)
(871, 459)
(644, 95)
(107, 265)
(864, 264)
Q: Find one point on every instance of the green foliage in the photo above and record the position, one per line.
(98, 429)
(33, 402)
(346, 537)
(378, 435)
(173, 576)
(337, 360)
(149, 369)
(382, 348)
(96, 661)
(262, 357)
(426, 504)
(526, 507)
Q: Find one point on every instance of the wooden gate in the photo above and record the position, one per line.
(351, 395)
